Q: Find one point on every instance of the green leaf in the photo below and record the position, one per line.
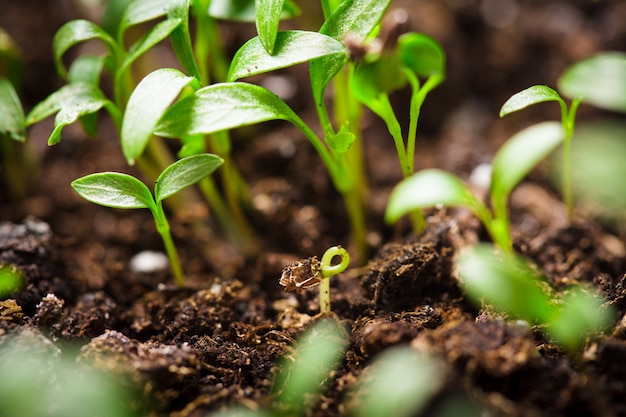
(11, 281)
(146, 105)
(341, 141)
(304, 373)
(580, 313)
(12, 121)
(244, 10)
(520, 154)
(291, 48)
(140, 11)
(400, 382)
(422, 54)
(504, 281)
(429, 188)
(371, 79)
(598, 150)
(87, 69)
(267, 19)
(112, 189)
(73, 33)
(181, 38)
(185, 172)
(159, 32)
(352, 16)
(222, 106)
(600, 80)
(71, 101)
(528, 97)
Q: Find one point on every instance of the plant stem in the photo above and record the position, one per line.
(163, 228)
(568, 119)
(328, 270)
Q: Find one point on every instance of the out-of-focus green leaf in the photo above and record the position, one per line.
(185, 172)
(422, 55)
(74, 32)
(505, 281)
(11, 280)
(291, 48)
(12, 121)
(520, 154)
(244, 10)
(371, 79)
(528, 97)
(398, 383)
(598, 152)
(113, 189)
(146, 105)
(159, 32)
(140, 11)
(600, 80)
(303, 374)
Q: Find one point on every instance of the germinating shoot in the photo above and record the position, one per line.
(310, 272)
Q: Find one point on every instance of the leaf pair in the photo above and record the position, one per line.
(117, 190)
(511, 164)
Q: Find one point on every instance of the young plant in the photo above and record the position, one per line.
(598, 80)
(111, 189)
(233, 104)
(398, 61)
(14, 157)
(310, 272)
(517, 157)
(508, 283)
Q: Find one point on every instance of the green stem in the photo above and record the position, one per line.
(163, 228)
(568, 119)
(385, 111)
(328, 270)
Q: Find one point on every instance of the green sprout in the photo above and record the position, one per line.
(517, 157)
(599, 80)
(310, 272)
(508, 283)
(11, 280)
(117, 190)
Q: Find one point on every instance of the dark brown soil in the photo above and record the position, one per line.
(216, 342)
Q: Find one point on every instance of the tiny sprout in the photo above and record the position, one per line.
(310, 272)
(112, 189)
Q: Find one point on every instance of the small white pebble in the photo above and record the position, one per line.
(481, 176)
(148, 262)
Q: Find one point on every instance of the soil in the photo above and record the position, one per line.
(216, 342)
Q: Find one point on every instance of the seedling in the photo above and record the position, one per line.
(599, 80)
(516, 158)
(507, 282)
(229, 105)
(310, 272)
(112, 189)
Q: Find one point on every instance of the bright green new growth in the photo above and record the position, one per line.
(507, 282)
(111, 189)
(540, 94)
(510, 165)
(599, 80)
(327, 270)
(11, 280)
(12, 122)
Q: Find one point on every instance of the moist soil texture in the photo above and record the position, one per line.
(217, 341)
